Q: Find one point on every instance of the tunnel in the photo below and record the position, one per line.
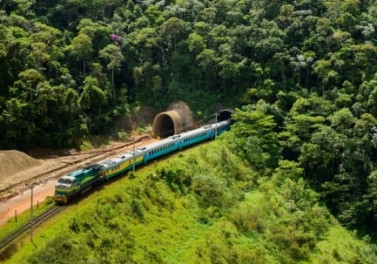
(225, 114)
(166, 124)
(173, 122)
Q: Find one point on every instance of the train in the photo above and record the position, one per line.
(81, 181)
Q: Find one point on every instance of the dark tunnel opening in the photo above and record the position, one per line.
(224, 115)
(163, 126)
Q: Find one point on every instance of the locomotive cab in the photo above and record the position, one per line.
(63, 188)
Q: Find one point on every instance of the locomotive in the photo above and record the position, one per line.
(81, 181)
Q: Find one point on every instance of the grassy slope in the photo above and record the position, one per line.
(197, 208)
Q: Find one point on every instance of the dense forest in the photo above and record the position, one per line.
(305, 72)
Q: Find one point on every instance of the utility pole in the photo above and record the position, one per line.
(133, 155)
(31, 186)
(216, 125)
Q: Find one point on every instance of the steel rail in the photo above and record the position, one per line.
(6, 241)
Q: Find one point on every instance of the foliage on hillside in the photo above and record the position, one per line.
(306, 72)
(83, 63)
(335, 149)
(203, 206)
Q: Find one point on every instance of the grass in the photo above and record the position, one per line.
(11, 225)
(153, 218)
(342, 246)
(187, 228)
(93, 142)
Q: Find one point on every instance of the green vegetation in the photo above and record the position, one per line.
(86, 63)
(304, 71)
(23, 218)
(202, 206)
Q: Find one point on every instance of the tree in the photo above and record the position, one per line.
(81, 48)
(28, 82)
(257, 128)
(114, 56)
(324, 71)
(92, 96)
(172, 30)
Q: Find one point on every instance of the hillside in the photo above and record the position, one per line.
(88, 63)
(202, 206)
(302, 75)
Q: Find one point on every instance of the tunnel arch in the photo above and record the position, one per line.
(225, 114)
(166, 124)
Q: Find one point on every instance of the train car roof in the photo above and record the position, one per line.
(174, 138)
(203, 129)
(120, 158)
(157, 144)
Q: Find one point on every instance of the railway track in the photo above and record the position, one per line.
(5, 242)
(91, 156)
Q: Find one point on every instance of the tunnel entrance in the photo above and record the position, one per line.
(224, 114)
(164, 127)
(167, 124)
(173, 122)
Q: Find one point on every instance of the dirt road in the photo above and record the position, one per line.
(45, 175)
(21, 202)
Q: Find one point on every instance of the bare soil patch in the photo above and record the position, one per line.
(18, 168)
(13, 161)
(15, 196)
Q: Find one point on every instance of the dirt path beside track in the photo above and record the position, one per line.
(15, 195)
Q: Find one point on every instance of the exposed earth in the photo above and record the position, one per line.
(18, 169)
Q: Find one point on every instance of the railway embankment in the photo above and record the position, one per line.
(201, 205)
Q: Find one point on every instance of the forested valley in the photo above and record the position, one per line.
(303, 75)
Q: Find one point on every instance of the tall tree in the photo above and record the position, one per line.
(114, 56)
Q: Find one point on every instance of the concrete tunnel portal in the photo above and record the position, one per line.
(166, 124)
(171, 122)
(224, 114)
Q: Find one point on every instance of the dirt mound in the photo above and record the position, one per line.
(13, 162)
(185, 112)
